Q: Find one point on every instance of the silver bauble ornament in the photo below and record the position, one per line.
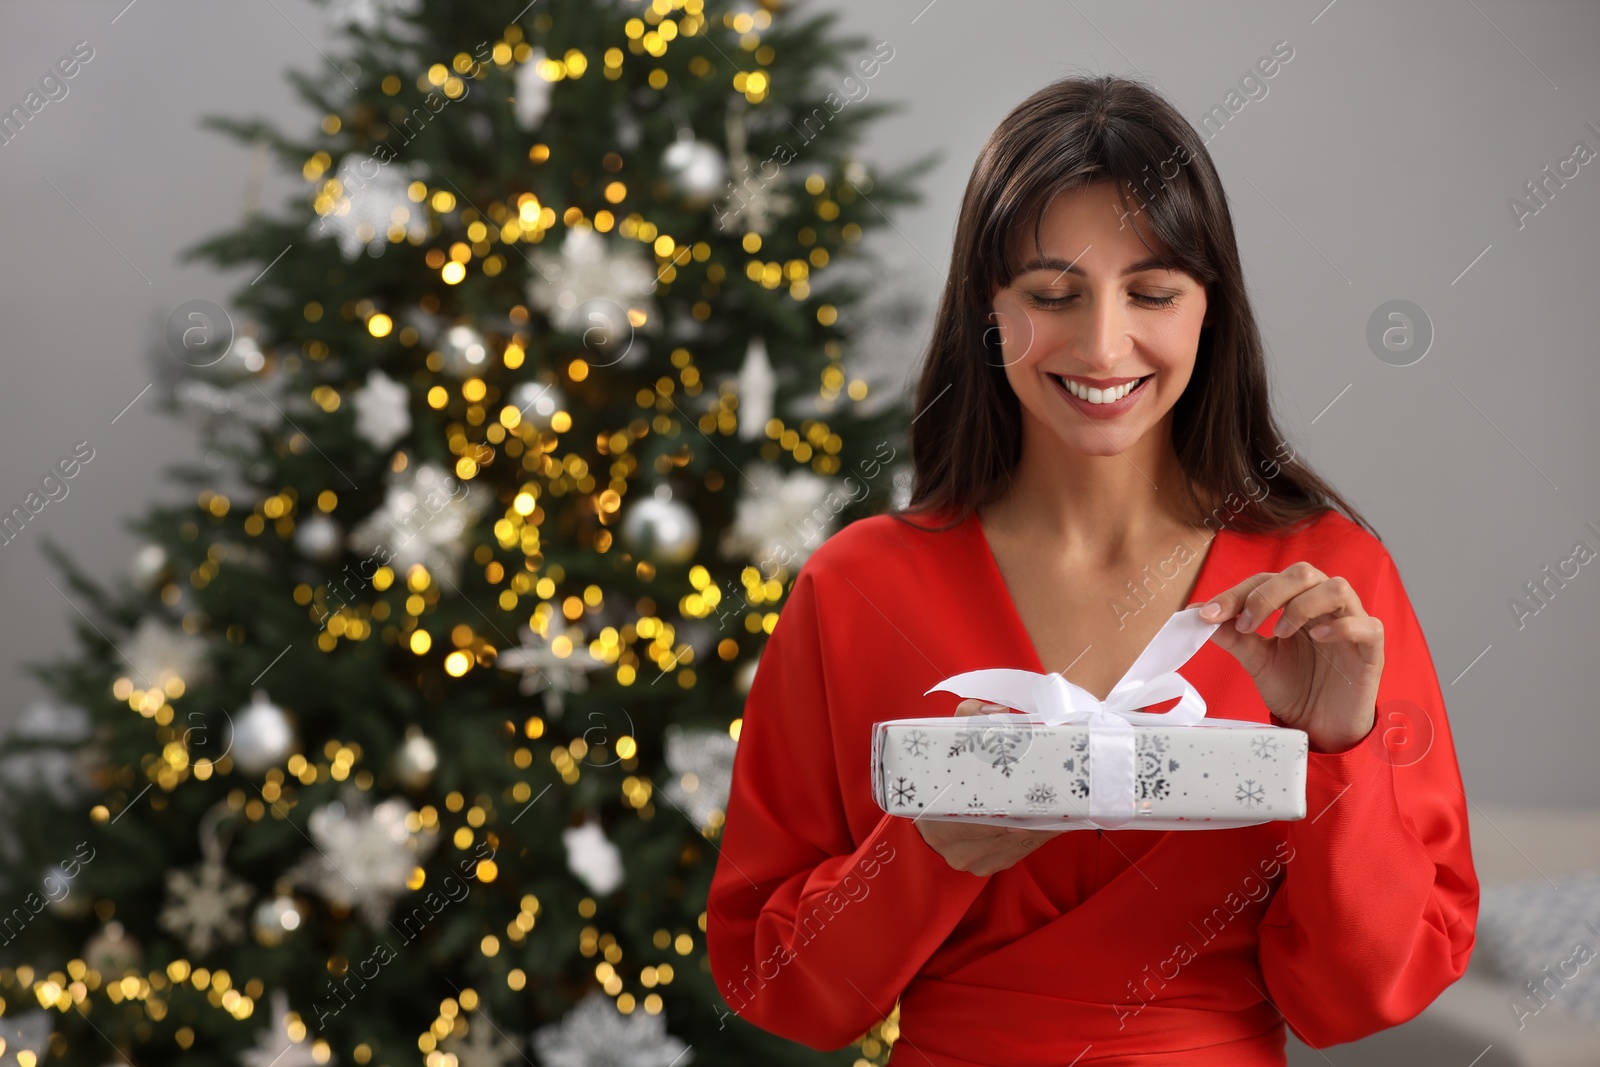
(261, 735)
(661, 528)
(538, 402)
(417, 759)
(111, 951)
(275, 919)
(318, 537)
(696, 170)
(465, 352)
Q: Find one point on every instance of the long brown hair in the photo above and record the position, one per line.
(966, 438)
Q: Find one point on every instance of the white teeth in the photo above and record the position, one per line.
(1101, 396)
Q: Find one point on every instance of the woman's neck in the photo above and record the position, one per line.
(1094, 507)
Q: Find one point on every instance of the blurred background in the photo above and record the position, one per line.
(1421, 160)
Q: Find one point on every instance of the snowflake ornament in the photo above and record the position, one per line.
(364, 855)
(701, 762)
(27, 1031)
(205, 905)
(783, 516)
(421, 520)
(274, 1048)
(542, 669)
(372, 198)
(593, 284)
(595, 1034)
(158, 655)
(383, 411)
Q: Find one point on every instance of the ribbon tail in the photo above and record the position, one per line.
(1179, 638)
(1006, 687)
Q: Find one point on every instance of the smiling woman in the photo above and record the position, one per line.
(1093, 399)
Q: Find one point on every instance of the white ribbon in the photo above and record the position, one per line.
(1051, 700)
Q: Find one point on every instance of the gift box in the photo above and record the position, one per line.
(1065, 760)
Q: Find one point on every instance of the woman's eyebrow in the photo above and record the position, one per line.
(1156, 262)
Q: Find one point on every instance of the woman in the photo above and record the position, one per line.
(1093, 451)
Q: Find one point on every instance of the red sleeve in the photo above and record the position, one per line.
(813, 931)
(1379, 902)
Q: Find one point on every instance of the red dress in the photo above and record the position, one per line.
(1124, 947)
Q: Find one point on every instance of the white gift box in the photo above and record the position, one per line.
(1066, 760)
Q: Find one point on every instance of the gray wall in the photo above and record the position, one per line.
(1378, 166)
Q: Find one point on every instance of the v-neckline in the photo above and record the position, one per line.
(1001, 592)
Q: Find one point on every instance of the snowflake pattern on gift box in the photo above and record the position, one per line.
(903, 792)
(1041, 796)
(1264, 747)
(1002, 746)
(1250, 794)
(916, 743)
(1152, 767)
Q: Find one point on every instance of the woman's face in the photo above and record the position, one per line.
(1092, 314)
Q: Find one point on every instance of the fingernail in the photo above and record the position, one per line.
(992, 707)
(1211, 610)
(1281, 629)
(1244, 624)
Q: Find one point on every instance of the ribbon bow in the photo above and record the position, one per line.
(1051, 700)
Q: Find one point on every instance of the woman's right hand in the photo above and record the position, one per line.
(976, 848)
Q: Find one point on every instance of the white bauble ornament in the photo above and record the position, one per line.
(147, 566)
(695, 169)
(592, 857)
(383, 411)
(260, 735)
(318, 537)
(538, 402)
(416, 760)
(465, 352)
(275, 919)
(661, 528)
(111, 951)
(532, 92)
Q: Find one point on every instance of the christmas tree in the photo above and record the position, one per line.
(406, 739)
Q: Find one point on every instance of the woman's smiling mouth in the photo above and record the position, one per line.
(1105, 398)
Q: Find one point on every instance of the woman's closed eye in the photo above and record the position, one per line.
(1042, 300)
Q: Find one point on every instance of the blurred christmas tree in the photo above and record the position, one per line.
(406, 741)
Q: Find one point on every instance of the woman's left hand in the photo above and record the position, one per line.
(1318, 671)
